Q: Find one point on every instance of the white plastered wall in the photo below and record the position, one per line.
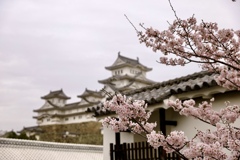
(108, 137)
(190, 125)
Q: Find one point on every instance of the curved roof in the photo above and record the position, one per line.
(56, 94)
(126, 76)
(122, 61)
(66, 107)
(90, 93)
(158, 92)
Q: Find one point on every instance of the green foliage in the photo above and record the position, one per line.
(22, 135)
(11, 134)
(91, 139)
(82, 133)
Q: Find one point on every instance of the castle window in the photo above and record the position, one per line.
(88, 116)
(134, 71)
(48, 119)
(66, 119)
(118, 72)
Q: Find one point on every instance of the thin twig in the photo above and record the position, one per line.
(131, 23)
(174, 11)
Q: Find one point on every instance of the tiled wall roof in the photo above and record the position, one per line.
(14, 149)
(158, 92)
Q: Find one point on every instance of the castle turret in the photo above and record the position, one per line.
(90, 96)
(58, 97)
(127, 74)
(53, 107)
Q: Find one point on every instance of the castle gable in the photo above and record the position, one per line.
(56, 94)
(122, 61)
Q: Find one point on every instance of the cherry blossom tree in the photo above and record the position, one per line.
(204, 43)
(216, 50)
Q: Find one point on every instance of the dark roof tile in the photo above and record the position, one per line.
(127, 61)
(160, 91)
(89, 93)
(56, 94)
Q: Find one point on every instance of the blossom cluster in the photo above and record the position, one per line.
(214, 49)
(131, 115)
(176, 140)
(212, 143)
(204, 112)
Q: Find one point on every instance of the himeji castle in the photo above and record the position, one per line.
(127, 74)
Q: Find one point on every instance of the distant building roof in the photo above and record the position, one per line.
(66, 107)
(56, 94)
(122, 61)
(36, 129)
(90, 93)
(122, 77)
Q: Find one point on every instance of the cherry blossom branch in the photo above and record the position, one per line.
(134, 120)
(131, 23)
(216, 50)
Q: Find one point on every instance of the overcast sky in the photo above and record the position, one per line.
(65, 44)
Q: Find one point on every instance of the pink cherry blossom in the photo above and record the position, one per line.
(216, 50)
(131, 115)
